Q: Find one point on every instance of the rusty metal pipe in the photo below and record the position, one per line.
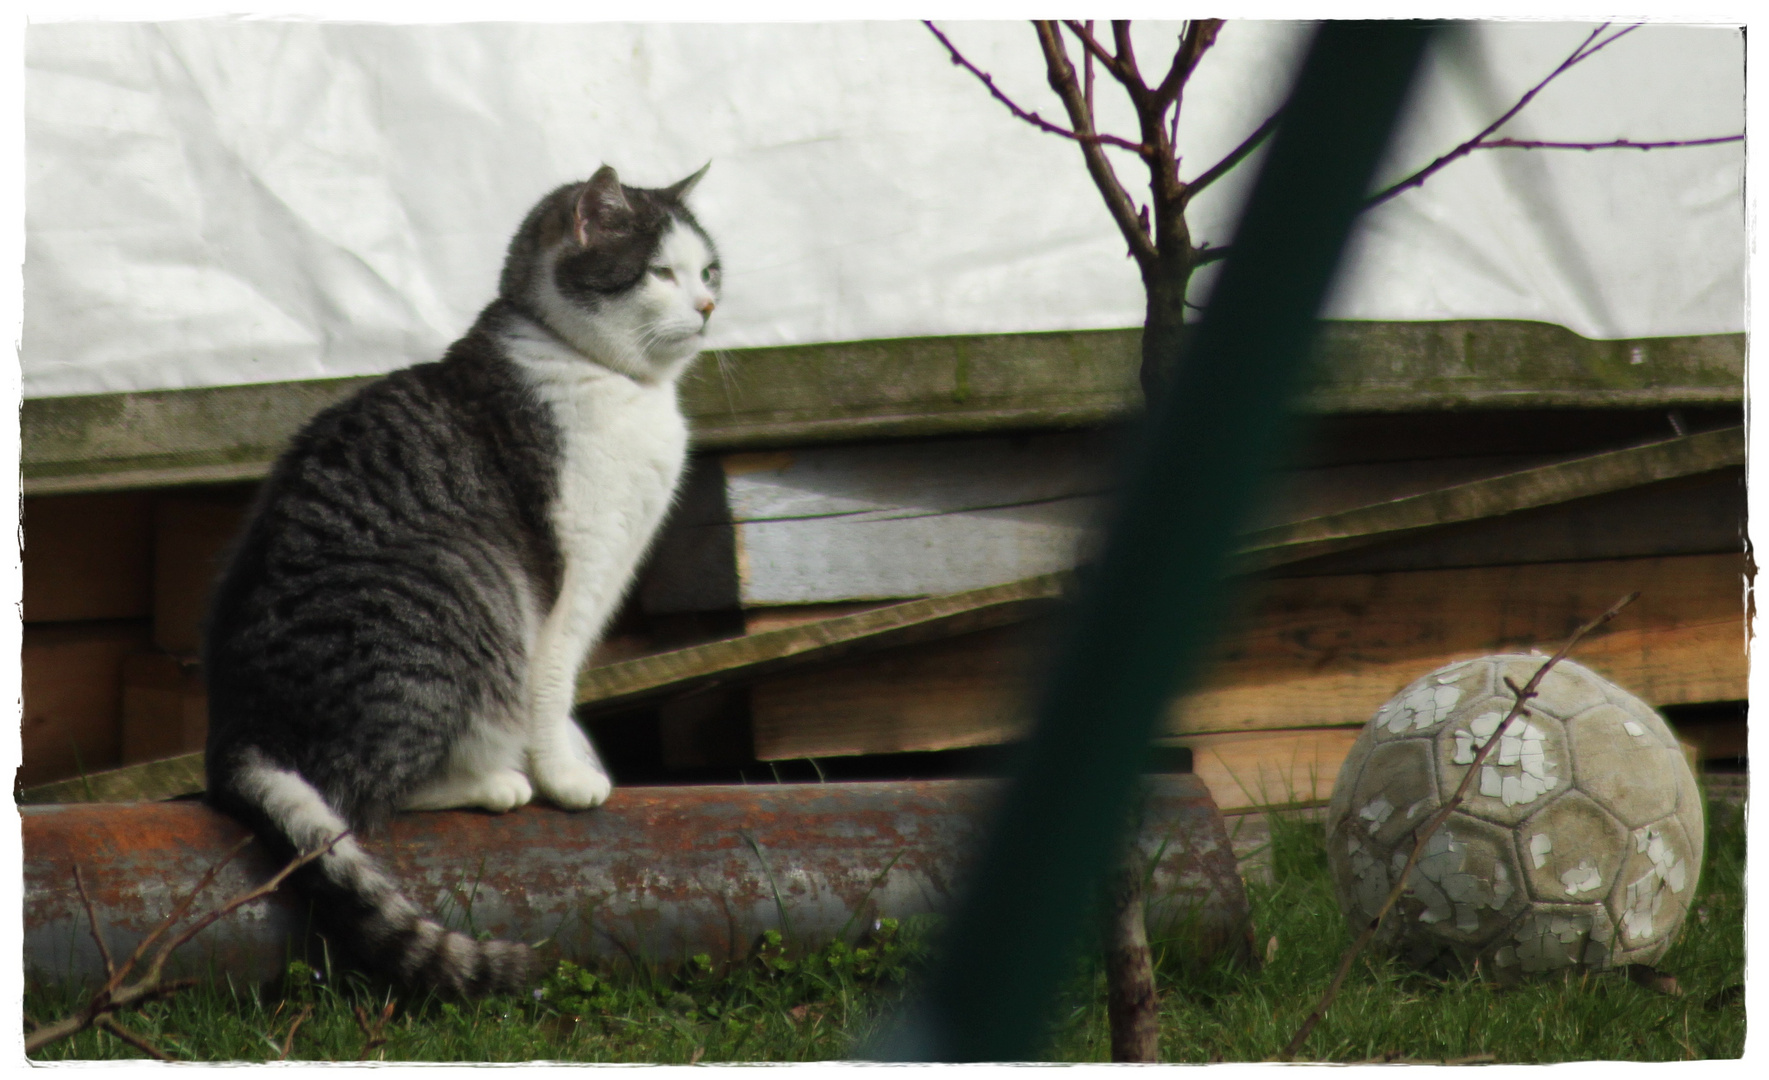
(657, 875)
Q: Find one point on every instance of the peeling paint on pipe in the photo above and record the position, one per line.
(656, 875)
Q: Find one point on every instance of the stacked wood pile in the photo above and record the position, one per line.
(871, 551)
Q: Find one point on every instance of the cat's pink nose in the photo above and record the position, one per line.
(705, 306)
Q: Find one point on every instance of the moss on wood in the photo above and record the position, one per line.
(904, 387)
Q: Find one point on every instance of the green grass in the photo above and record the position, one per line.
(780, 1007)
(1387, 1012)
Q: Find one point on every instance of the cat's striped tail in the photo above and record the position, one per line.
(358, 900)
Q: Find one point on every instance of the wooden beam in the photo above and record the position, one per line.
(1328, 650)
(931, 619)
(1305, 652)
(71, 685)
(1255, 770)
(679, 672)
(88, 557)
(876, 522)
(148, 781)
(1526, 489)
(754, 655)
(1302, 653)
(869, 522)
(918, 387)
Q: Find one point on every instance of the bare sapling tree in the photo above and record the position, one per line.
(1156, 230)
(1167, 254)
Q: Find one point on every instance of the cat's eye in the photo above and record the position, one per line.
(663, 273)
(710, 274)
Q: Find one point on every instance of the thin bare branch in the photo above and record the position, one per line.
(104, 952)
(1173, 138)
(374, 1032)
(109, 1023)
(1199, 35)
(1086, 138)
(1431, 824)
(1587, 49)
(1093, 49)
(178, 912)
(1128, 73)
(113, 996)
(294, 1025)
(1613, 144)
(1204, 256)
(1118, 201)
(1235, 157)
(259, 892)
(1087, 78)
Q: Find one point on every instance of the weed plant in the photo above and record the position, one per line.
(779, 1005)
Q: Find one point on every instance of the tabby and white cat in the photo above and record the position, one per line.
(402, 621)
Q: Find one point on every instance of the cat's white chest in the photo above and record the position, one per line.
(622, 447)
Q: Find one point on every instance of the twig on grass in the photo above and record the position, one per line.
(374, 1032)
(289, 1039)
(109, 1023)
(1425, 831)
(101, 1008)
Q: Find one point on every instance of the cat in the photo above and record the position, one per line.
(402, 619)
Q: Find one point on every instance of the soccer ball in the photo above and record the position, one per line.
(1577, 846)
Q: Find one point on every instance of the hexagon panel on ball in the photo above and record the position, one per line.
(1578, 844)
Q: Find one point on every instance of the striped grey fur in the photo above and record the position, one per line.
(382, 601)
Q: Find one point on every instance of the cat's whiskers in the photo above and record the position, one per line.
(727, 365)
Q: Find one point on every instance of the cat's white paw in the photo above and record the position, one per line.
(505, 789)
(571, 783)
(497, 790)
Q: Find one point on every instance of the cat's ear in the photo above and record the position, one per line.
(600, 205)
(679, 190)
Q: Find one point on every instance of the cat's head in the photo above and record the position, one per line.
(626, 275)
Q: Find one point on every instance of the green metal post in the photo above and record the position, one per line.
(1148, 612)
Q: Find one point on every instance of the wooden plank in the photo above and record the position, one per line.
(1268, 769)
(1698, 515)
(1325, 650)
(1545, 485)
(682, 672)
(88, 557)
(917, 519)
(692, 565)
(149, 781)
(1512, 364)
(165, 707)
(919, 387)
(758, 619)
(72, 690)
(191, 536)
(102, 442)
(1307, 652)
(752, 655)
(832, 524)
(1714, 739)
(967, 691)
(1303, 652)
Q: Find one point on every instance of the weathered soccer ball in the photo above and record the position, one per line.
(1577, 846)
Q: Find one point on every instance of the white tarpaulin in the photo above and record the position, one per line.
(214, 202)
